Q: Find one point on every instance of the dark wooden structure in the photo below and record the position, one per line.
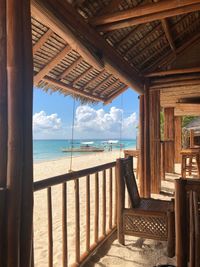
(93, 50)
(187, 195)
(147, 217)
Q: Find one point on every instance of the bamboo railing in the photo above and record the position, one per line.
(98, 205)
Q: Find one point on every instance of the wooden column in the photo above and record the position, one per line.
(20, 163)
(147, 164)
(191, 138)
(169, 139)
(155, 158)
(178, 138)
(141, 146)
(145, 173)
(3, 129)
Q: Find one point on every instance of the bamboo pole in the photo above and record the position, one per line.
(20, 170)
(3, 127)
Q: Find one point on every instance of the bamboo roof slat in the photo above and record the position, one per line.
(101, 84)
(70, 68)
(168, 33)
(51, 64)
(42, 40)
(85, 73)
(71, 89)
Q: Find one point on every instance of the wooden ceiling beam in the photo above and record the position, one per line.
(42, 41)
(168, 34)
(173, 72)
(149, 17)
(85, 73)
(64, 20)
(38, 77)
(114, 95)
(71, 89)
(70, 68)
(142, 10)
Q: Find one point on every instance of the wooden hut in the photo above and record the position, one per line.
(94, 50)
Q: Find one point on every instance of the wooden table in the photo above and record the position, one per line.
(190, 154)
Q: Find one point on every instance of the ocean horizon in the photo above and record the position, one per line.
(51, 149)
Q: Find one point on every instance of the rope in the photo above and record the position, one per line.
(72, 137)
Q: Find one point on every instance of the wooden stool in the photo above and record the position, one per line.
(135, 154)
(189, 155)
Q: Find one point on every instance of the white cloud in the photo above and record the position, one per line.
(89, 123)
(99, 124)
(46, 126)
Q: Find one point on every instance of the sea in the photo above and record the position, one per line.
(45, 150)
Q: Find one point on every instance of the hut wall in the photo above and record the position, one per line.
(155, 153)
(178, 138)
(169, 134)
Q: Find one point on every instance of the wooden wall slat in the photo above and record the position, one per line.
(64, 225)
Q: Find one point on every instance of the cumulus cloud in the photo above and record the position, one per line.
(101, 124)
(46, 126)
(42, 121)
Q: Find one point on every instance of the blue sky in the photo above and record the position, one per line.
(52, 117)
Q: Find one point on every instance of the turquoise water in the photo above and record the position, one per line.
(52, 149)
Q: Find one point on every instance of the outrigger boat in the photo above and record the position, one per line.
(85, 147)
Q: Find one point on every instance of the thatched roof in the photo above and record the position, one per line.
(117, 44)
(194, 124)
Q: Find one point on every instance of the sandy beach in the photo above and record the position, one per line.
(43, 170)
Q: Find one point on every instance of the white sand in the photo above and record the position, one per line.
(145, 255)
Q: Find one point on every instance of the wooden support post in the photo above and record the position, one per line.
(181, 225)
(169, 139)
(145, 170)
(3, 127)
(154, 110)
(20, 163)
(191, 138)
(141, 147)
(178, 138)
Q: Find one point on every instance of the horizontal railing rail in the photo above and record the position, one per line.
(93, 197)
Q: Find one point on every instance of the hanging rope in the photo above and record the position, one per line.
(72, 137)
